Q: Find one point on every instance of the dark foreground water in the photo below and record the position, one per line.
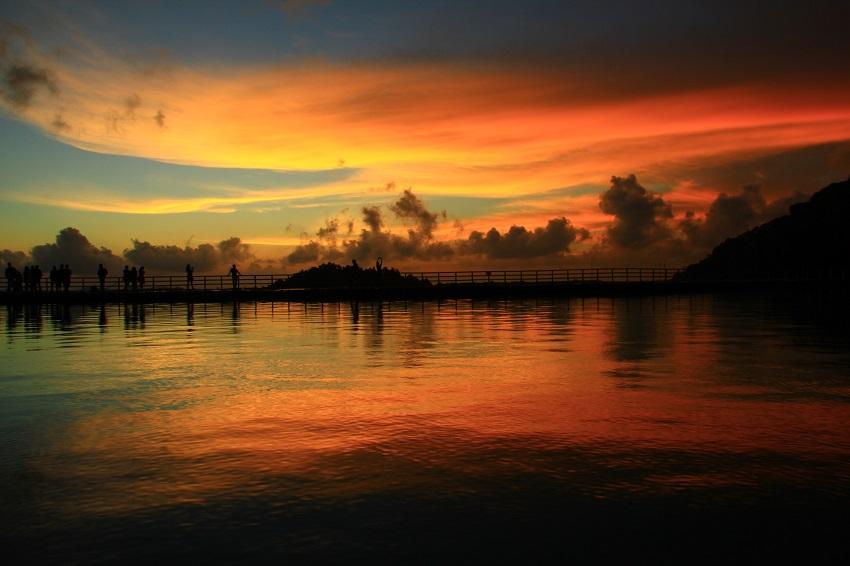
(681, 429)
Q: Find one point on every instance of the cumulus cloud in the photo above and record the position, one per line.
(640, 216)
(16, 258)
(329, 231)
(73, 248)
(730, 215)
(411, 207)
(372, 218)
(518, 242)
(419, 243)
(204, 257)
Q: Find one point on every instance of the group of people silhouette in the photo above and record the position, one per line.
(59, 279)
(132, 278)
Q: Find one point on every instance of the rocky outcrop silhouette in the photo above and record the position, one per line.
(811, 242)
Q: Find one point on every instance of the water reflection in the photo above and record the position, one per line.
(487, 412)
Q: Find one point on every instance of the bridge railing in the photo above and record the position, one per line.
(174, 282)
(543, 276)
(267, 281)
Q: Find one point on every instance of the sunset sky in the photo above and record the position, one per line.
(317, 130)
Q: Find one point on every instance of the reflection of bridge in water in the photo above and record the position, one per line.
(256, 282)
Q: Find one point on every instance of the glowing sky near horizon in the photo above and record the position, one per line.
(264, 119)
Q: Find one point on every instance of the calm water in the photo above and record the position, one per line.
(654, 428)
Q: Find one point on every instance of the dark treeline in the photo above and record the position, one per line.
(334, 275)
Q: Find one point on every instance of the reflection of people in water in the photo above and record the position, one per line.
(190, 276)
(101, 320)
(234, 276)
(102, 272)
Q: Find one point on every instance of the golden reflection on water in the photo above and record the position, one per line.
(128, 408)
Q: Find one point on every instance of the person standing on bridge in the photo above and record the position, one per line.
(36, 274)
(11, 277)
(190, 276)
(102, 272)
(66, 278)
(142, 278)
(234, 276)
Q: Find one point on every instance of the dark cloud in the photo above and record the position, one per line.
(73, 248)
(730, 215)
(21, 83)
(329, 231)
(132, 103)
(16, 258)
(640, 216)
(372, 218)
(204, 257)
(59, 124)
(518, 242)
(411, 207)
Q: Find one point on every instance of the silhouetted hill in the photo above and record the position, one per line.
(333, 275)
(810, 242)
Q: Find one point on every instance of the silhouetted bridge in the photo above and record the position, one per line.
(504, 277)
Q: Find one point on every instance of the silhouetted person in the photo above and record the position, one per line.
(102, 272)
(355, 272)
(36, 275)
(190, 276)
(134, 277)
(66, 278)
(141, 276)
(234, 276)
(54, 278)
(125, 276)
(11, 277)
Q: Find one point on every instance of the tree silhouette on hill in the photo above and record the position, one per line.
(812, 242)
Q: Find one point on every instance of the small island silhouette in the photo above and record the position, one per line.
(332, 275)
